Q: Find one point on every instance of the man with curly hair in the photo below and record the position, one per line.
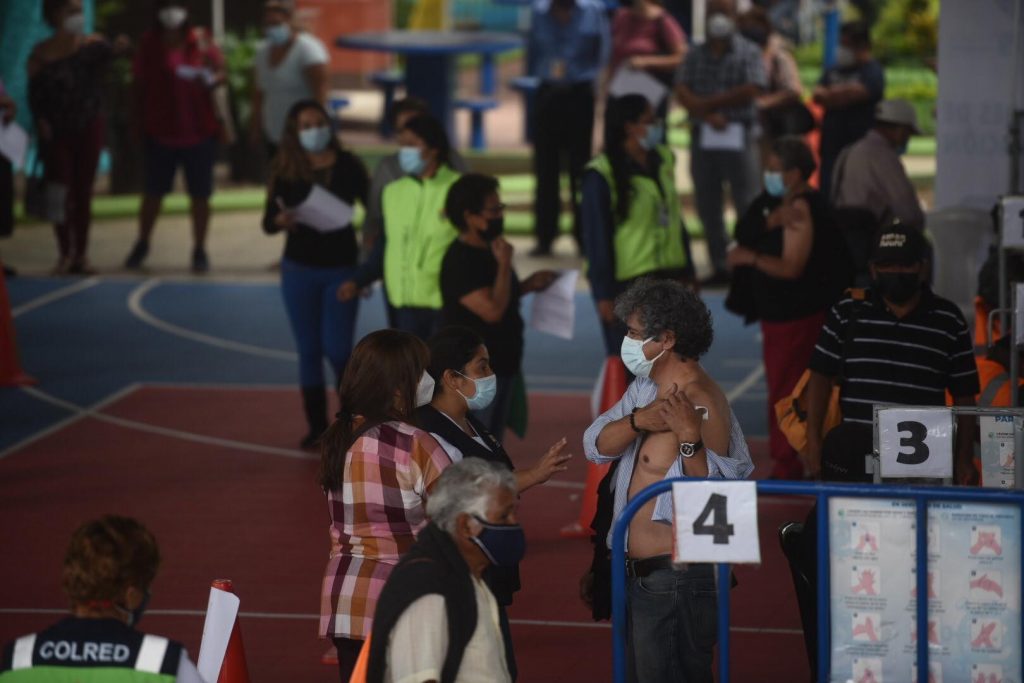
(673, 420)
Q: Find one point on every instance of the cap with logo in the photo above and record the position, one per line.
(898, 243)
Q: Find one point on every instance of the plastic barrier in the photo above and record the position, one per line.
(921, 495)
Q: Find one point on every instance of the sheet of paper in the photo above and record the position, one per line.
(323, 211)
(221, 613)
(729, 139)
(629, 81)
(14, 143)
(190, 73)
(715, 521)
(554, 309)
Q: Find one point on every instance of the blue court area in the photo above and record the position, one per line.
(87, 340)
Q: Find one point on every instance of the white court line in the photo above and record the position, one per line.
(311, 617)
(750, 380)
(138, 310)
(55, 295)
(166, 431)
(68, 421)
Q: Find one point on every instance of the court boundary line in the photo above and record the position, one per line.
(84, 412)
(55, 295)
(295, 616)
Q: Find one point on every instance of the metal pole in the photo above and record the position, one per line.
(832, 17)
(921, 511)
(217, 20)
(824, 606)
(724, 584)
(1014, 350)
(1014, 137)
(698, 17)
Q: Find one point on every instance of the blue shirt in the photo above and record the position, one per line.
(573, 52)
(736, 464)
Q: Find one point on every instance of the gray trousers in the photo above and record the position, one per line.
(711, 170)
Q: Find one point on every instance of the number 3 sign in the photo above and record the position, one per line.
(916, 442)
(715, 521)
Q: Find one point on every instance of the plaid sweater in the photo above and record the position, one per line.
(375, 517)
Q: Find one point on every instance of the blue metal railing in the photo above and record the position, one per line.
(922, 495)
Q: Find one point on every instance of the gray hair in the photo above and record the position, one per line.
(466, 487)
(668, 305)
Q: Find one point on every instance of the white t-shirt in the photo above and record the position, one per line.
(419, 642)
(286, 84)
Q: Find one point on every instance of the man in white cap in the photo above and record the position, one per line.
(869, 174)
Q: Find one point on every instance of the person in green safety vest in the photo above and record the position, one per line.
(632, 220)
(108, 569)
(416, 231)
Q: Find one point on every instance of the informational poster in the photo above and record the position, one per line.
(974, 618)
(998, 458)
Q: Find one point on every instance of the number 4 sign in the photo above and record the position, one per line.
(916, 442)
(715, 521)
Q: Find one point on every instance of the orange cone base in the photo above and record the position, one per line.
(234, 669)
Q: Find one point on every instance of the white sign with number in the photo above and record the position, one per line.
(916, 442)
(1013, 221)
(715, 521)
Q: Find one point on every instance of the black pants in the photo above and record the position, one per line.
(6, 198)
(348, 653)
(563, 133)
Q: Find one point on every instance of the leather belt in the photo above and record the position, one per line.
(638, 569)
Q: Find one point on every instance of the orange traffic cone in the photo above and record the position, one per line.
(11, 373)
(234, 669)
(612, 385)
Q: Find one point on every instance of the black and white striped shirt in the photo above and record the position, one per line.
(906, 361)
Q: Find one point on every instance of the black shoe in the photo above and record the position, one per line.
(200, 261)
(314, 404)
(720, 278)
(137, 256)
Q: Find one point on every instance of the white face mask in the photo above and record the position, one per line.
(632, 354)
(424, 390)
(74, 23)
(720, 26)
(845, 57)
(173, 17)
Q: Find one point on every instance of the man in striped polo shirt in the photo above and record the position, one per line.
(901, 344)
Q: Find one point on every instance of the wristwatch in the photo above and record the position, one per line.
(688, 449)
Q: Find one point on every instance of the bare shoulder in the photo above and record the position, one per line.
(706, 392)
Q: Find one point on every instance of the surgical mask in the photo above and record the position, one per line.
(315, 139)
(495, 229)
(278, 34)
(503, 544)
(74, 23)
(632, 354)
(424, 390)
(773, 183)
(411, 160)
(845, 57)
(899, 288)
(486, 388)
(652, 138)
(173, 17)
(720, 26)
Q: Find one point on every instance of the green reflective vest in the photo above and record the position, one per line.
(651, 237)
(72, 656)
(417, 236)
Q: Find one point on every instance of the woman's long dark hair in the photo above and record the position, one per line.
(433, 134)
(451, 349)
(621, 110)
(379, 385)
(291, 161)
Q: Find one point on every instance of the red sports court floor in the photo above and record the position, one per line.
(212, 471)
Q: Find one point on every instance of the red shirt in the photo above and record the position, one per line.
(634, 35)
(176, 110)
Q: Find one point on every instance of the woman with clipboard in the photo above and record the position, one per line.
(316, 259)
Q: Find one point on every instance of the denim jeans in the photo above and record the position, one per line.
(423, 322)
(673, 626)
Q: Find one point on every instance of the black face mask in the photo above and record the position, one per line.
(495, 229)
(899, 288)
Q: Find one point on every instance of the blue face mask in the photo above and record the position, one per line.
(655, 132)
(315, 139)
(632, 354)
(278, 34)
(411, 160)
(503, 544)
(773, 183)
(486, 388)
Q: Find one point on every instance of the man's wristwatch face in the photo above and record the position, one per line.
(688, 449)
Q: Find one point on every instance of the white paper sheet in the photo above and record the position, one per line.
(191, 73)
(14, 143)
(729, 139)
(715, 521)
(221, 613)
(554, 309)
(629, 81)
(323, 211)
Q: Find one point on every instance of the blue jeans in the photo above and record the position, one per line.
(322, 325)
(423, 322)
(673, 626)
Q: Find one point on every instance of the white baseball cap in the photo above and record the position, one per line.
(899, 112)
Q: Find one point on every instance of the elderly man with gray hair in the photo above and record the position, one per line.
(673, 420)
(436, 619)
